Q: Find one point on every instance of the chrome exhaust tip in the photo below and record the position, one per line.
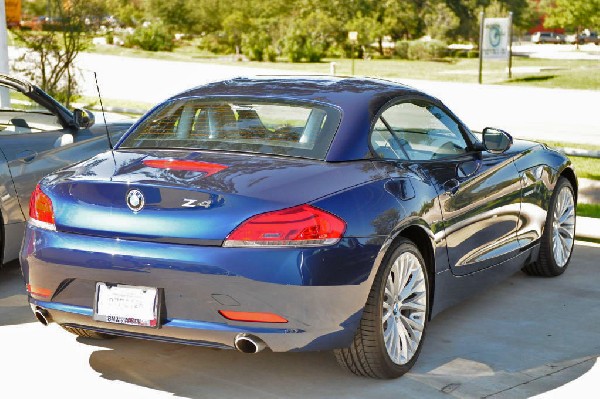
(248, 344)
(43, 316)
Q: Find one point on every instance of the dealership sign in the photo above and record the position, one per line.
(496, 36)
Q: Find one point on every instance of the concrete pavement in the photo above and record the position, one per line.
(524, 337)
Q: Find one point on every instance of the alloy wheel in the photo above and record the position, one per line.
(404, 308)
(563, 226)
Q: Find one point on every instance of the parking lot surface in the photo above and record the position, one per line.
(524, 337)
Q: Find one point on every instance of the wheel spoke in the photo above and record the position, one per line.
(566, 214)
(412, 324)
(565, 232)
(387, 314)
(404, 339)
(408, 289)
(565, 246)
(395, 276)
(415, 306)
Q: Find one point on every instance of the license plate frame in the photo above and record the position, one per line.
(127, 304)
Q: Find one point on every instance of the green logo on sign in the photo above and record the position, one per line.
(495, 36)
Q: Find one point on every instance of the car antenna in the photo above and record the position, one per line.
(103, 116)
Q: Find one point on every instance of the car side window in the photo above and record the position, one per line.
(417, 131)
(23, 115)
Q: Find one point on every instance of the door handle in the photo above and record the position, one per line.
(451, 186)
(27, 155)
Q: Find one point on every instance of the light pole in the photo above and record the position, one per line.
(353, 37)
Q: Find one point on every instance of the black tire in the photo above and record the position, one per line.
(82, 332)
(546, 265)
(368, 356)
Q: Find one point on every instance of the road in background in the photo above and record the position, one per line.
(525, 336)
(526, 112)
(557, 51)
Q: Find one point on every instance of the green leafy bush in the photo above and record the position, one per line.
(401, 49)
(270, 54)
(154, 37)
(214, 43)
(255, 44)
(426, 50)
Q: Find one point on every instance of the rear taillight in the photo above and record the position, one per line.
(41, 213)
(300, 226)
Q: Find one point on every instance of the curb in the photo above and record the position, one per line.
(587, 229)
(580, 152)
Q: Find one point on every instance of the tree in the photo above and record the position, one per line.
(127, 12)
(468, 13)
(50, 57)
(439, 20)
(573, 14)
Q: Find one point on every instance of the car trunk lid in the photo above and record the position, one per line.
(188, 197)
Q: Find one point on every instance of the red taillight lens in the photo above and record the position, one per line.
(256, 317)
(187, 165)
(38, 291)
(299, 226)
(40, 208)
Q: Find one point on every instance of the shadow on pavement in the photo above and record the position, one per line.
(14, 308)
(523, 337)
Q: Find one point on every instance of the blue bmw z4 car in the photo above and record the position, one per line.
(294, 214)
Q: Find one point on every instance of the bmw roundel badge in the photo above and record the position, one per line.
(135, 200)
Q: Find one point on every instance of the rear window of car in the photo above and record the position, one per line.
(256, 126)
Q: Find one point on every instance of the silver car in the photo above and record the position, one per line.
(547, 37)
(37, 136)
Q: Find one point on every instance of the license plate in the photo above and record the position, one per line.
(126, 304)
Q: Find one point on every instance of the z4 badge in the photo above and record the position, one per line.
(193, 203)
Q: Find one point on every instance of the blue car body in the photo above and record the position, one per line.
(475, 218)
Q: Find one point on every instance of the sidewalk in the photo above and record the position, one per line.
(589, 193)
(587, 229)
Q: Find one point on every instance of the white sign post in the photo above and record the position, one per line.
(496, 41)
(4, 98)
(495, 38)
(353, 37)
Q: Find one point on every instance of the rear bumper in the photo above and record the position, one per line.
(320, 291)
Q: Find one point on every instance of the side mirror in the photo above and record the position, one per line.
(496, 141)
(83, 119)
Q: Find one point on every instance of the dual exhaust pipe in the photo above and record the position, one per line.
(42, 316)
(247, 343)
(244, 343)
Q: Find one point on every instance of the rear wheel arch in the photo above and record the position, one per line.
(569, 174)
(423, 241)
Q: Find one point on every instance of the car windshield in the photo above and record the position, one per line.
(266, 127)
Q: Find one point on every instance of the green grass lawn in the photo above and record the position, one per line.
(572, 74)
(586, 168)
(588, 210)
(562, 144)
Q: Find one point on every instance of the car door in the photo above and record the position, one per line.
(479, 192)
(36, 134)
